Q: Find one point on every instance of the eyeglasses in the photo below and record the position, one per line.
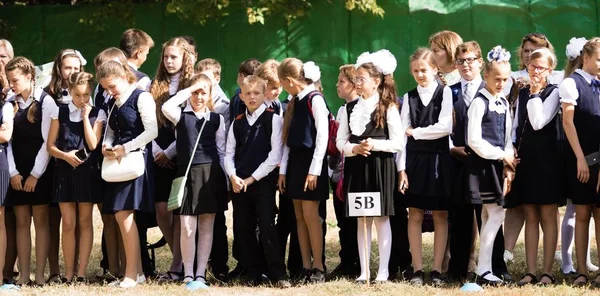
(534, 68)
(360, 80)
(462, 61)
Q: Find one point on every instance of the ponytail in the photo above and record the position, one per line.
(287, 119)
(573, 65)
(34, 105)
(387, 98)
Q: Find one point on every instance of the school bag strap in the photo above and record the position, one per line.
(333, 125)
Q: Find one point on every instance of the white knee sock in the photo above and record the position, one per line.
(365, 258)
(492, 218)
(188, 243)
(567, 229)
(205, 241)
(384, 240)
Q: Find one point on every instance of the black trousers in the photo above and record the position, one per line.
(400, 258)
(219, 254)
(348, 242)
(257, 204)
(286, 227)
(461, 225)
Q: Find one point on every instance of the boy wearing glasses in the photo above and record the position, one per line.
(462, 228)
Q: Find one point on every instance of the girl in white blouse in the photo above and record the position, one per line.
(426, 163)
(369, 134)
(131, 126)
(490, 145)
(28, 159)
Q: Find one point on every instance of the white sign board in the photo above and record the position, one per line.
(364, 204)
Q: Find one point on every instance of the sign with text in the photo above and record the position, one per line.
(364, 204)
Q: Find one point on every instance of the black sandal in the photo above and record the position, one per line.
(481, 280)
(171, 276)
(596, 283)
(548, 276)
(187, 276)
(583, 283)
(533, 280)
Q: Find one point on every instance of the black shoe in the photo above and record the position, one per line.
(317, 276)
(236, 272)
(282, 283)
(506, 277)
(482, 281)
(418, 278)
(437, 278)
(342, 270)
(408, 273)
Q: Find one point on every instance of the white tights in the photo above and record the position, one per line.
(189, 249)
(492, 217)
(384, 240)
(566, 241)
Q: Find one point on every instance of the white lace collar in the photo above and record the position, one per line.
(361, 114)
(497, 103)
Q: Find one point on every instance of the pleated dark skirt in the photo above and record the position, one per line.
(81, 184)
(374, 173)
(430, 180)
(205, 190)
(484, 180)
(538, 181)
(41, 196)
(4, 185)
(581, 193)
(163, 178)
(297, 169)
(136, 194)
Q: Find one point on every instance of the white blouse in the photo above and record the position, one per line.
(568, 89)
(440, 129)
(321, 116)
(360, 117)
(147, 110)
(172, 111)
(75, 114)
(474, 133)
(539, 113)
(43, 157)
(274, 156)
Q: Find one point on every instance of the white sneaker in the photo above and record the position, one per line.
(127, 283)
(508, 256)
(141, 279)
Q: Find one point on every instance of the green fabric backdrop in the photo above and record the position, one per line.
(330, 35)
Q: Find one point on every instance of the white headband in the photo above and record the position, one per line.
(117, 60)
(383, 60)
(548, 52)
(78, 54)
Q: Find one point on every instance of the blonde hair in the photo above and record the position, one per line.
(26, 66)
(160, 84)
(209, 64)
(544, 53)
(349, 72)
(203, 78)
(268, 72)
(114, 69)
(423, 53)
(254, 81)
(448, 41)
(111, 53)
(538, 40)
(588, 49)
(80, 78)
(56, 79)
(291, 68)
(9, 48)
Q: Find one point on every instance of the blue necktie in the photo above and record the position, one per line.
(596, 86)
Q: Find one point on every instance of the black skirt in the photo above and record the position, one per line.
(136, 194)
(374, 173)
(42, 194)
(581, 193)
(538, 181)
(484, 180)
(297, 169)
(81, 184)
(4, 185)
(163, 178)
(205, 190)
(430, 180)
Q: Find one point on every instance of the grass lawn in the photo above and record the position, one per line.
(334, 287)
